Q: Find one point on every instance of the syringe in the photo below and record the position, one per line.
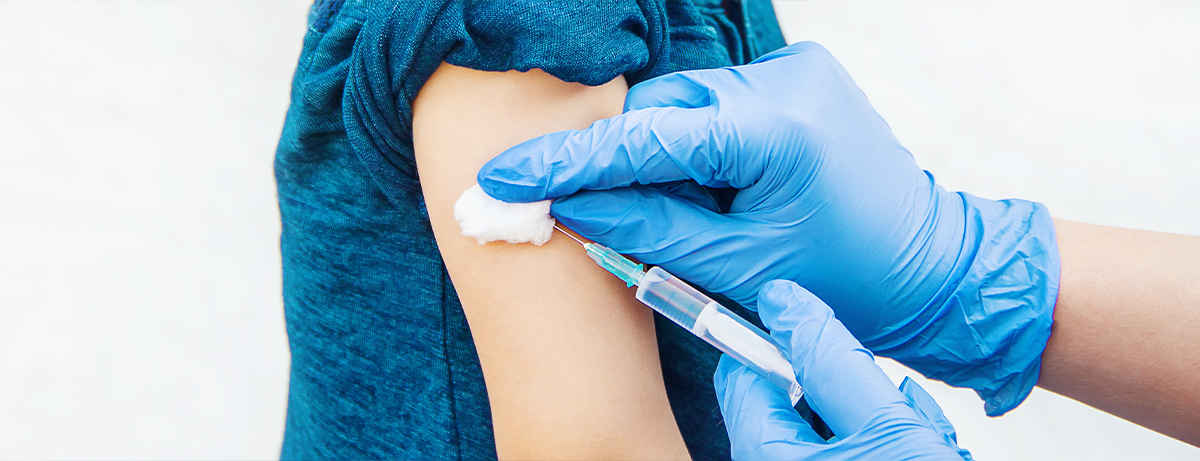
(700, 315)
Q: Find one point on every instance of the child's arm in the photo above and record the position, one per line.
(568, 355)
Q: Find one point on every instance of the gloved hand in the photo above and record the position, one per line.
(959, 288)
(869, 416)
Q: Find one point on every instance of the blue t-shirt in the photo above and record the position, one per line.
(383, 365)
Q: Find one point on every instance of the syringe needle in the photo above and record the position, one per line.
(568, 235)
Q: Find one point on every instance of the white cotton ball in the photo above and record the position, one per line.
(490, 220)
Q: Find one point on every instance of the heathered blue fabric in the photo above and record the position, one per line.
(383, 365)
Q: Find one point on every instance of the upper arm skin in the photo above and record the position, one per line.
(568, 355)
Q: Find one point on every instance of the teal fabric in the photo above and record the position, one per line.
(383, 365)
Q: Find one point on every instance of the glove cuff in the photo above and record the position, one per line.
(987, 331)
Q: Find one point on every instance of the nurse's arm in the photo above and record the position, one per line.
(569, 357)
(1126, 334)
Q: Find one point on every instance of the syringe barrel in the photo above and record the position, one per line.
(712, 322)
(671, 297)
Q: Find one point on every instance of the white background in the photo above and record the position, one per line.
(140, 312)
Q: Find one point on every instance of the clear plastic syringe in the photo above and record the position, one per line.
(699, 314)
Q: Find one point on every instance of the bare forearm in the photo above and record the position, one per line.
(1127, 326)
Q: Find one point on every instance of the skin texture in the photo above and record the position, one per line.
(1127, 326)
(568, 355)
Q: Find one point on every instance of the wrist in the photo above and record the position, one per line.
(987, 326)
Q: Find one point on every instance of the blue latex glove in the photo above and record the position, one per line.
(959, 288)
(869, 416)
